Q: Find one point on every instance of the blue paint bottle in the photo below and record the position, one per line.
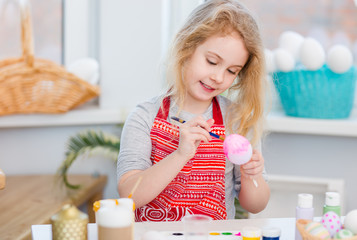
(272, 233)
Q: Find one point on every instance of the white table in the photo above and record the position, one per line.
(287, 226)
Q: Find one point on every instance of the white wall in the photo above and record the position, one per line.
(130, 52)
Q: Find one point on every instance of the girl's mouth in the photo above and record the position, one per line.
(206, 86)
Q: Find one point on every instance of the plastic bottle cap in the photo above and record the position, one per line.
(251, 232)
(332, 199)
(271, 232)
(305, 200)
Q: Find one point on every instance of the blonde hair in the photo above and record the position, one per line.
(214, 17)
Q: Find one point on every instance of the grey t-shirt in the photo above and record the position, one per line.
(135, 144)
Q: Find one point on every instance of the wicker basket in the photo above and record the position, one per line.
(30, 85)
(316, 94)
(301, 223)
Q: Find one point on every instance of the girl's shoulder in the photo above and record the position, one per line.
(149, 105)
(145, 112)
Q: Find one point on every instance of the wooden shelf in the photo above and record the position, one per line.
(84, 116)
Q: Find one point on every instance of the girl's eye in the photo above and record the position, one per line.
(232, 72)
(211, 62)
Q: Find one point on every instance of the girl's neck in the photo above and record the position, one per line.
(196, 107)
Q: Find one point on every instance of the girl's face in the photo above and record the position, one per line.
(213, 67)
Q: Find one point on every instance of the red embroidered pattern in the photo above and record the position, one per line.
(199, 188)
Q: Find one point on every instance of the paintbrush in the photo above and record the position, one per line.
(210, 133)
(135, 187)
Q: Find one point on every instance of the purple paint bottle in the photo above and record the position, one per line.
(304, 210)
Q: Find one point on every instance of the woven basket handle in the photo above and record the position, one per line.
(26, 32)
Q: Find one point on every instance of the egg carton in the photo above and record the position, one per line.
(301, 224)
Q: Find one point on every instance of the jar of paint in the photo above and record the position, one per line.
(251, 233)
(272, 233)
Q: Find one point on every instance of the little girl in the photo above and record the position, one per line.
(183, 169)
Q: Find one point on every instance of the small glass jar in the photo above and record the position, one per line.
(251, 233)
(272, 233)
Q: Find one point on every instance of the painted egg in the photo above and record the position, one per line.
(312, 54)
(339, 59)
(284, 60)
(351, 221)
(343, 234)
(316, 229)
(332, 222)
(291, 41)
(237, 149)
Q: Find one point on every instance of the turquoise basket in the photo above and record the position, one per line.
(316, 94)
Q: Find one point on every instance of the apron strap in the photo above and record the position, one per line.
(216, 111)
(164, 108)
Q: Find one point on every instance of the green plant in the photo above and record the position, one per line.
(88, 142)
(241, 213)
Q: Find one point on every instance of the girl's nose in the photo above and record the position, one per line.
(218, 76)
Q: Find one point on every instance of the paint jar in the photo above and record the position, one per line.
(272, 233)
(196, 227)
(251, 233)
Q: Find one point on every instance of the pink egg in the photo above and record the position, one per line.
(332, 222)
(237, 149)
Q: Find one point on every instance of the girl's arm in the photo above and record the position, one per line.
(159, 175)
(251, 198)
(154, 179)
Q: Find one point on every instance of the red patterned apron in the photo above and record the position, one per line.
(199, 188)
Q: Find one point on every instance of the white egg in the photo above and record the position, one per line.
(312, 54)
(86, 69)
(351, 221)
(284, 60)
(339, 58)
(291, 41)
(269, 61)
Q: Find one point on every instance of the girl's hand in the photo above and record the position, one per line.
(192, 133)
(254, 167)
